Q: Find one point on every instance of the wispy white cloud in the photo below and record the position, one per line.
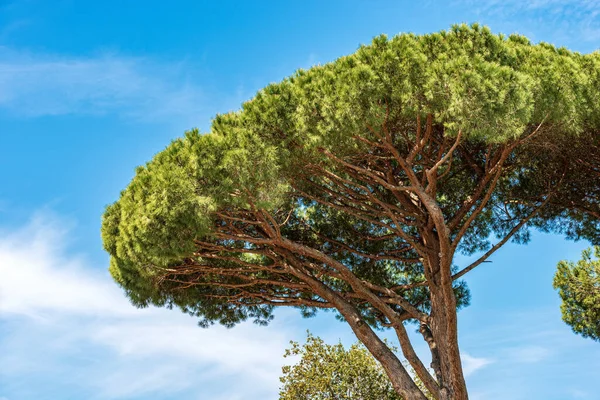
(529, 347)
(564, 21)
(579, 394)
(139, 88)
(529, 354)
(38, 280)
(566, 7)
(65, 325)
(69, 323)
(472, 364)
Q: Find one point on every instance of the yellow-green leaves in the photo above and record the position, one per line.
(161, 212)
(330, 372)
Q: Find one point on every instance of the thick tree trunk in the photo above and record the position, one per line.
(444, 330)
(446, 360)
(443, 324)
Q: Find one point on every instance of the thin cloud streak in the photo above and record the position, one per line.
(524, 346)
(472, 364)
(530, 354)
(567, 7)
(570, 22)
(34, 85)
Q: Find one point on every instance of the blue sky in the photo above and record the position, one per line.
(89, 90)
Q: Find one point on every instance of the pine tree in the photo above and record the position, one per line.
(579, 287)
(352, 186)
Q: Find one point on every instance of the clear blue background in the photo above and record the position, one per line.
(89, 90)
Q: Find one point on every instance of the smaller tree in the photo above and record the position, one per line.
(330, 372)
(579, 287)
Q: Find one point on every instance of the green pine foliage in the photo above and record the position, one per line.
(578, 285)
(491, 87)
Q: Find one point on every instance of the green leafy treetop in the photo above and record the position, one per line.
(330, 372)
(579, 288)
(352, 185)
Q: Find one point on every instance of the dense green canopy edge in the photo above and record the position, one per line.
(490, 88)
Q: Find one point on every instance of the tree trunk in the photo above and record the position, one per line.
(441, 331)
(444, 330)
